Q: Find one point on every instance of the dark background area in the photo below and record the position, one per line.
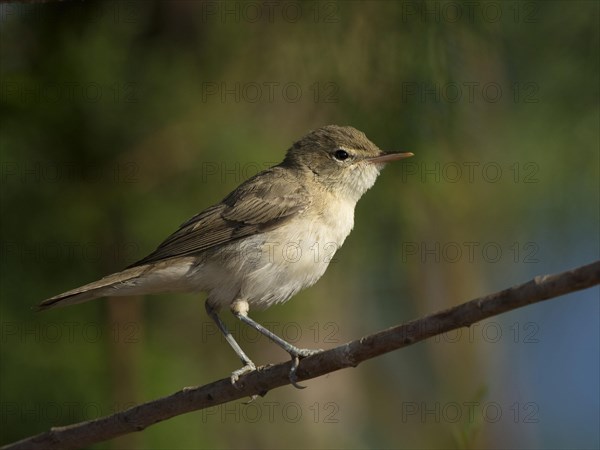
(120, 120)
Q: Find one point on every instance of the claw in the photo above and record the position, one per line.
(293, 377)
(304, 352)
(236, 374)
(252, 398)
(296, 355)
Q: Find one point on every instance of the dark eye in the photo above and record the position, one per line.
(341, 155)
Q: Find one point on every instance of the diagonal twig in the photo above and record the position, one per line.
(347, 355)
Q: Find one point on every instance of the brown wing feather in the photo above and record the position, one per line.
(261, 203)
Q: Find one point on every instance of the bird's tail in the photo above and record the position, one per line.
(117, 284)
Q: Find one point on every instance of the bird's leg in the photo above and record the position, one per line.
(248, 364)
(240, 309)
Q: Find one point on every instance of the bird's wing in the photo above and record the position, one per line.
(260, 204)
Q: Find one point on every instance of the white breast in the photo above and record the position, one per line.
(273, 266)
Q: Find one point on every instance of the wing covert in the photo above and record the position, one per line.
(261, 203)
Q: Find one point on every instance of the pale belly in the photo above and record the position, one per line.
(271, 267)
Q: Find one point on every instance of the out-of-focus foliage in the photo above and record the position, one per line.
(120, 120)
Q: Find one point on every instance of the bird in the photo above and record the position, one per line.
(238, 250)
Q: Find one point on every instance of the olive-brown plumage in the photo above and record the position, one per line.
(238, 251)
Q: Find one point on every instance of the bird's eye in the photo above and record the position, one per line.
(341, 155)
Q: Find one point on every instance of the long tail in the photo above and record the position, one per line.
(120, 283)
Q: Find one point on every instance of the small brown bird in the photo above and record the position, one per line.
(238, 250)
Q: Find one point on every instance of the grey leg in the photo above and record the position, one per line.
(295, 352)
(248, 364)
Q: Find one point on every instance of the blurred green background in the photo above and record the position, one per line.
(120, 120)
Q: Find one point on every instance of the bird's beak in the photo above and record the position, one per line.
(388, 157)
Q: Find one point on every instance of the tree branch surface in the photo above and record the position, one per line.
(350, 354)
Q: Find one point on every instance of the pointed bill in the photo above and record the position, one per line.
(388, 157)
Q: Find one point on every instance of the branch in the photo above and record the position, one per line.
(347, 355)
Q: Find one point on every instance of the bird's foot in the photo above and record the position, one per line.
(236, 374)
(297, 354)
